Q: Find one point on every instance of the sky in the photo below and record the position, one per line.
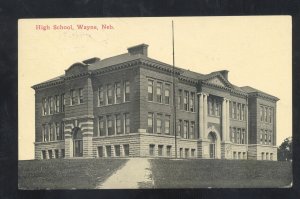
(256, 50)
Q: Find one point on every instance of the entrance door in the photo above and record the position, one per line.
(212, 152)
(77, 142)
(212, 145)
(78, 149)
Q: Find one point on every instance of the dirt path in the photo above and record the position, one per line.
(136, 173)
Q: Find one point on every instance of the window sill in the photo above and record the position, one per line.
(77, 104)
(186, 111)
(214, 116)
(53, 114)
(116, 135)
(50, 142)
(159, 103)
(98, 106)
(237, 120)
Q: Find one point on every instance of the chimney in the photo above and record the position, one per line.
(224, 73)
(141, 49)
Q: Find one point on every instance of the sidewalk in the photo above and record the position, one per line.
(136, 173)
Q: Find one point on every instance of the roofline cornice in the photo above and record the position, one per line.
(48, 84)
(264, 96)
(231, 90)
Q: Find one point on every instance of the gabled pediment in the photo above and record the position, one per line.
(218, 80)
(76, 68)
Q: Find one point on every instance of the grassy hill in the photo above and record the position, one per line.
(220, 173)
(166, 173)
(65, 173)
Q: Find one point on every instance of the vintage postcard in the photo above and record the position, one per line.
(159, 102)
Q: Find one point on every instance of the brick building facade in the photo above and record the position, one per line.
(123, 106)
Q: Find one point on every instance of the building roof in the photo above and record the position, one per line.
(118, 59)
(251, 90)
(139, 52)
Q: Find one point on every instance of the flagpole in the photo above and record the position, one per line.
(174, 96)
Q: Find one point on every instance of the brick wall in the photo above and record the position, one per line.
(132, 139)
(39, 118)
(256, 150)
(55, 145)
(132, 107)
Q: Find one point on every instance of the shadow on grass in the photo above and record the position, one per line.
(66, 173)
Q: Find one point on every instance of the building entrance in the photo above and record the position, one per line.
(78, 143)
(212, 145)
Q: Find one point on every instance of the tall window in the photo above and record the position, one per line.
(266, 137)
(62, 130)
(51, 132)
(266, 114)
(57, 131)
(185, 129)
(150, 90)
(185, 100)
(159, 123)
(243, 112)
(109, 94)
(51, 107)
(48, 132)
(230, 109)
(150, 123)
(217, 108)
(73, 96)
(179, 100)
(63, 102)
(127, 123)
(167, 93)
(270, 115)
(238, 136)
(192, 102)
(192, 130)
(110, 129)
(261, 114)
(118, 92)
(127, 91)
(118, 124)
(270, 137)
(159, 92)
(44, 106)
(261, 136)
(57, 104)
(233, 135)
(210, 106)
(238, 111)
(101, 126)
(167, 124)
(101, 101)
(234, 110)
(44, 133)
(243, 136)
(179, 126)
(80, 91)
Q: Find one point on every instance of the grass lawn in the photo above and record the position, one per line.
(168, 173)
(65, 173)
